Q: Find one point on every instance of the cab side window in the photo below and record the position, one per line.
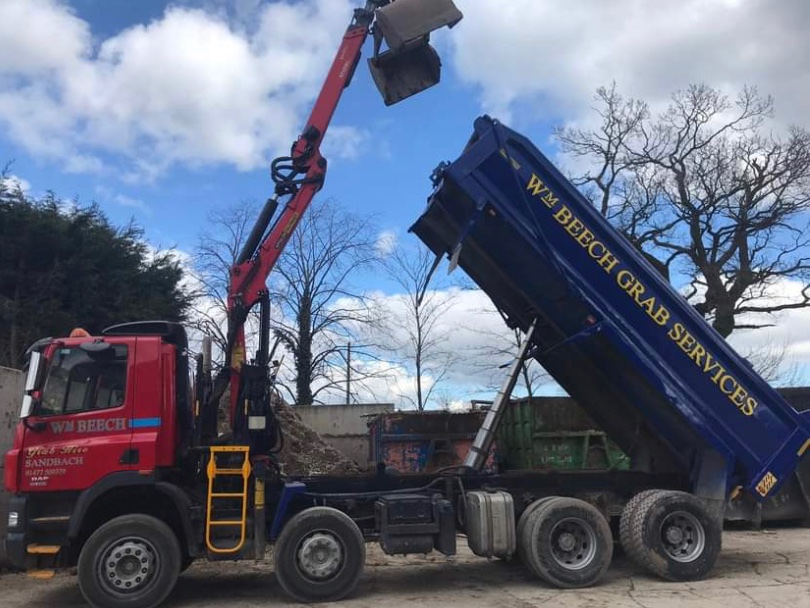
(79, 381)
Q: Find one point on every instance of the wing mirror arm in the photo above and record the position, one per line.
(36, 427)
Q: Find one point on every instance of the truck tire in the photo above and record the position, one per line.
(521, 525)
(673, 536)
(319, 555)
(567, 542)
(626, 519)
(131, 561)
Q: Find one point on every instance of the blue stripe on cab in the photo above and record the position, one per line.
(144, 423)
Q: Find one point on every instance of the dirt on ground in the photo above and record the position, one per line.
(755, 570)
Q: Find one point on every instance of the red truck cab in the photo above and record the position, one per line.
(100, 415)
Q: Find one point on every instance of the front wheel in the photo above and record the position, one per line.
(521, 525)
(319, 555)
(131, 561)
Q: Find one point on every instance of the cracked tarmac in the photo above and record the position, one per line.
(757, 569)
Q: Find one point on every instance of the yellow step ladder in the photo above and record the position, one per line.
(214, 473)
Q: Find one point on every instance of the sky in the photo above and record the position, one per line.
(163, 111)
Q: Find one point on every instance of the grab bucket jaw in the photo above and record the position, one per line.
(411, 64)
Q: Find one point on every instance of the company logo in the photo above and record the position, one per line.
(93, 425)
(643, 297)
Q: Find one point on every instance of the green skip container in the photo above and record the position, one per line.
(554, 433)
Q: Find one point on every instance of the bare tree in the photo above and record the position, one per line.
(703, 186)
(216, 252)
(321, 312)
(771, 361)
(496, 351)
(414, 322)
(314, 312)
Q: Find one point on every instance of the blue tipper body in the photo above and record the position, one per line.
(611, 329)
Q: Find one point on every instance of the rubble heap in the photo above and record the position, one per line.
(304, 452)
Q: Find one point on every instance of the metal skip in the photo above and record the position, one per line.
(411, 64)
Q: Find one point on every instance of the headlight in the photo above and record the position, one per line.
(13, 519)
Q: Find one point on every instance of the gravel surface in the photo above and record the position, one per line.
(756, 570)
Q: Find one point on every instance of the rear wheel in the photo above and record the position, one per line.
(320, 555)
(129, 562)
(673, 535)
(566, 542)
(629, 511)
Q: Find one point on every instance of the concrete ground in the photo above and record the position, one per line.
(756, 570)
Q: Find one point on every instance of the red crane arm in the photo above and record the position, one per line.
(300, 176)
(248, 278)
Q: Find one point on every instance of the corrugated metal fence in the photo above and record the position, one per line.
(11, 386)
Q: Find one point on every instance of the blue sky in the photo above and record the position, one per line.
(162, 111)
(381, 168)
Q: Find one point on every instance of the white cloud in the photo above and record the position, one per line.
(476, 332)
(537, 55)
(346, 142)
(473, 342)
(122, 200)
(790, 332)
(191, 87)
(39, 36)
(386, 242)
(13, 183)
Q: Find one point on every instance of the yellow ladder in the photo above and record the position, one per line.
(214, 473)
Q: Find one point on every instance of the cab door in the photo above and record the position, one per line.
(80, 430)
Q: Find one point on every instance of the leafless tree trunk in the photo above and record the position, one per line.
(415, 323)
(497, 350)
(321, 311)
(772, 362)
(705, 189)
(215, 254)
(315, 312)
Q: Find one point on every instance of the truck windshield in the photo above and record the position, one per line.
(78, 381)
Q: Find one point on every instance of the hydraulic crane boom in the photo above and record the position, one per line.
(300, 176)
(408, 67)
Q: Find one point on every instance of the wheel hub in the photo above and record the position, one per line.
(573, 543)
(683, 537)
(674, 535)
(128, 565)
(320, 556)
(567, 541)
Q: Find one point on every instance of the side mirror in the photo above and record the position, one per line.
(36, 371)
(33, 382)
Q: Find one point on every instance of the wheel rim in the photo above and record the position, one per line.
(320, 556)
(573, 543)
(128, 566)
(682, 536)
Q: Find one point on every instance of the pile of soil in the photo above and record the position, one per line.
(304, 452)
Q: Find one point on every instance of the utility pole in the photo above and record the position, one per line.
(348, 373)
